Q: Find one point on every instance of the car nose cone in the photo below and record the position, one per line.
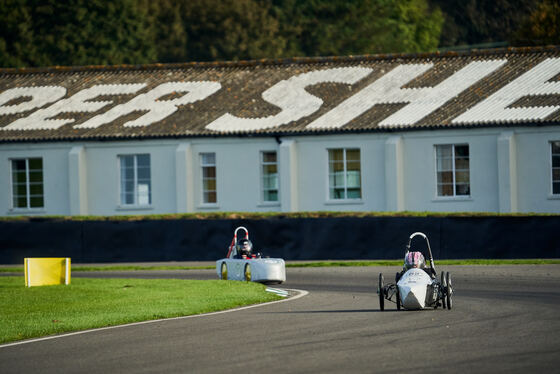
(413, 297)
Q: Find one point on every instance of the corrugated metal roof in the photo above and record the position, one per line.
(277, 97)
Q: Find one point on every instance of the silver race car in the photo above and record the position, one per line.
(241, 263)
(417, 287)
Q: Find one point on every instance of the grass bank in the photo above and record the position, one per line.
(19, 269)
(92, 303)
(269, 215)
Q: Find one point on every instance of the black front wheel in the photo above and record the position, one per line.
(449, 291)
(397, 292)
(381, 292)
(443, 289)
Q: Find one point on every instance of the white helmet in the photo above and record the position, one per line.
(414, 260)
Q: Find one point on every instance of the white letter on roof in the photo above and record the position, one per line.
(291, 97)
(534, 82)
(423, 101)
(79, 102)
(39, 97)
(157, 109)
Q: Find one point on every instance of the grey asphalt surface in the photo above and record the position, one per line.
(505, 320)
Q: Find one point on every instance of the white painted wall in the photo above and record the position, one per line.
(55, 176)
(534, 182)
(304, 161)
(420, 171)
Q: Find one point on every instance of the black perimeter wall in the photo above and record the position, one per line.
(498, 237)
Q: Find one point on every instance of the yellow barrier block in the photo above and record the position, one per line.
(47, 271)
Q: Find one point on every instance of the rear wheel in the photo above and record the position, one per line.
(223, 271)
(449, 291)
(443, 289)
(381, 292)
(247, 273)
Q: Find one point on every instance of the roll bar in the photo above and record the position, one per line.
(234, 240)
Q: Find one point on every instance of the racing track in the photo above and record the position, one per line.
(505, 319)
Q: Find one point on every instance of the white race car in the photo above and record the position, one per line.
(417, 287)
(242, 264)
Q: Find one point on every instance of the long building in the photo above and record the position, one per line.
(473, 132)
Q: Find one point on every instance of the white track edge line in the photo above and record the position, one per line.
(301, 293)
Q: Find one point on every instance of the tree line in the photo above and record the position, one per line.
(98, 32)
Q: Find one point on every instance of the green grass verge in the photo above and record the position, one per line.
(270, 215)
(315, 264)
(91, 303)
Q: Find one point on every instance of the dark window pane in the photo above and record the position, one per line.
(21, 202)
(354, 193)
(445, 190)
(210, 197)
(556, 188)
(209, 184)
(35, 164)
(36, 202)
(353, 166)
(35, 176)
(336, 166)
(556, 161)
(144, 173)
(270, 169)
(36, 189)
(462, 189)
(556, 174)
(353, 155)
(128, 173)
(335, 155)
(270, 182)
(19, 177)
(462, 150)
(20, 189)
(556, 147)
(129, 186)
(338, 179)
(271, 196)
(339, 193)
(269, 156)
(443, 151)
(143, 161)
(462, 163)
(208, 158)
(128, 198)
(445, 177)
(127, 161)
(18, 165)
(209, 172)
(462, 177)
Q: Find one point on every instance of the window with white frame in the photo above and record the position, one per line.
(27, 183)
(344, 174)
(269, 176)
(555, 150)
(136, 184)
(453, 172)
(208, 165)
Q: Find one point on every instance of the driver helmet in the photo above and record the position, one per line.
(414, 260)
(244, 247)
